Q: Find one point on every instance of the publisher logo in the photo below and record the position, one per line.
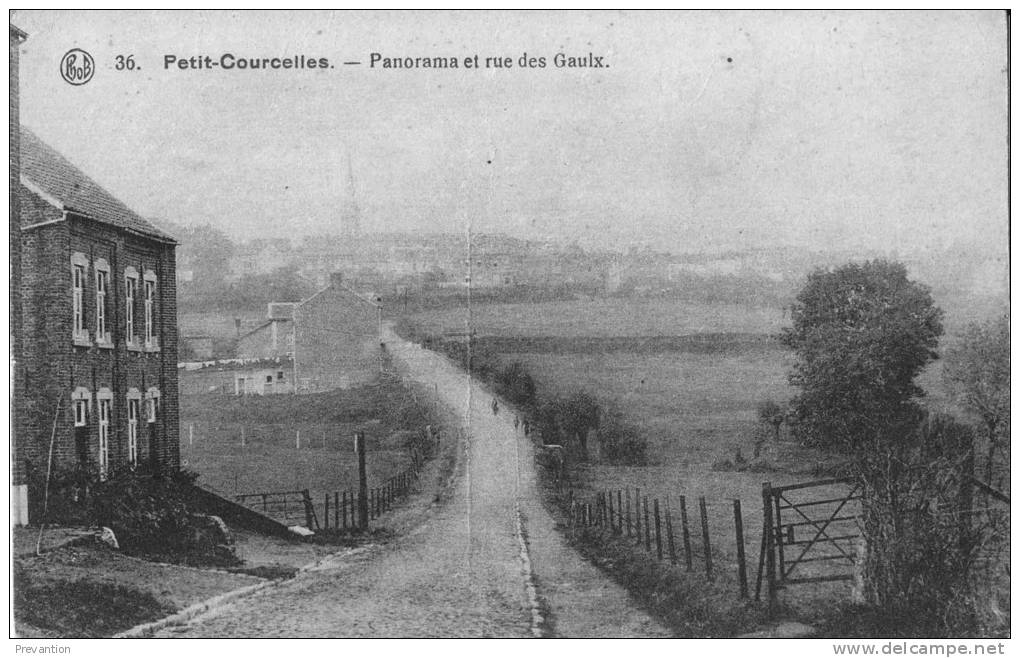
(77, 67)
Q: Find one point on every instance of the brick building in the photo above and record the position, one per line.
(19, 492)
(336, 338)
(98, 297)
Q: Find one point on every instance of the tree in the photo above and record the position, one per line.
(771, 415)
(977, 372)
(861, 333)
(579, 414)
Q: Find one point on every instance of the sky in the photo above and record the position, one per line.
(707, 131)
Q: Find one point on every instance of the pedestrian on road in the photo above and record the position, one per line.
(517, 422)
(527, 427)
(495, 407)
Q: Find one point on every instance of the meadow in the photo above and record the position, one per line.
(603, 317)
(250, 444)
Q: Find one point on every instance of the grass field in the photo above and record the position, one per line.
(271, 459)
(603, 316)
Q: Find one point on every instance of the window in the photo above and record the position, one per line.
(130, 295)
(151, 341)
(134, 401)
(279, 375)
(105, 401)
(151, 405)
(103, 336)
(269, 379)
(80, 405)
(79, 267)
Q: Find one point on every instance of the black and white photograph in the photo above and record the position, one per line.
(510, 324)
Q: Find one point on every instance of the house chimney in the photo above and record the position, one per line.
(336, 279)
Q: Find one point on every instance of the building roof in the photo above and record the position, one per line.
(44, 168)
(347, 292)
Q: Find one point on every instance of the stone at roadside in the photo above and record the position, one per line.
(210, 532)
(107, 537)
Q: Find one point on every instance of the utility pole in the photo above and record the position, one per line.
(293, 353)
(359, 449)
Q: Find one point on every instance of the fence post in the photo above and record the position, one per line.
(738, 520)
(628, 512)
(686, 530)
(769, 543)
(354, 507)
(704, 537)
(648, 529)
(637, 514)
(612, 523)
(359, 447)
(619, 512)
(309, 513)
(658, 532)
(336, 510)
(325, 513)
(669, 533)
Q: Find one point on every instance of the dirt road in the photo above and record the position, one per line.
(462, 572)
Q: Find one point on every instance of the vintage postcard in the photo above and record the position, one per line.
(510, 324)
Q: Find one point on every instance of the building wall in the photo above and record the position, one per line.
(19, 513)
(336, 340)
(46, 312)
(263, 381)
(271, 341)
(56, 366)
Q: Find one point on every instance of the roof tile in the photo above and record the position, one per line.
(57, 177)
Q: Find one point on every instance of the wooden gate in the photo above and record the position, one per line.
(290, 507)
(809, 533)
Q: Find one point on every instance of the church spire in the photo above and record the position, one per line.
(350, 215)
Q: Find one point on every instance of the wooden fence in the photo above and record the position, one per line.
(651, 524)
(339, 509)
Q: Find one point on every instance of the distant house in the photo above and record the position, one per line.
(272, 339)
(99, 342)
(336, 338)
(265, 380)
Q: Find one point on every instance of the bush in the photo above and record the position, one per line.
(515, 384)
(620, 441)
(65, 500)
(921, 540)
(150, 515)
